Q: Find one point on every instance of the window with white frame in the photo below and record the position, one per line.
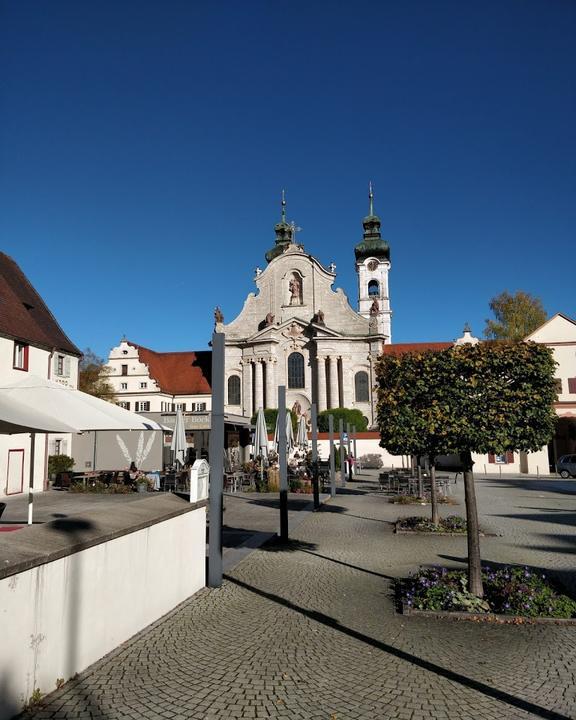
(142, 406)
(143, 385)
(124, 404)
(21, 356)
(58, 446)
(123, 386)
(200, 407)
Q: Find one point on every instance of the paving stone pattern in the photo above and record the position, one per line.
(309, 630)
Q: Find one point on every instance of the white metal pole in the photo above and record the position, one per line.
(31, 479)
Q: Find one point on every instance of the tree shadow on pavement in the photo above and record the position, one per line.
(330, 508)
(451, 675)
(349, 565)
(276, 545)
(556, 517)
(557, 486)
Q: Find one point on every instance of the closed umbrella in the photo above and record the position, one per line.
(178, 444)
(302, 434)
(289, 434)
(261, 440)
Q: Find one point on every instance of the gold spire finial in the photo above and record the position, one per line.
(370, 198)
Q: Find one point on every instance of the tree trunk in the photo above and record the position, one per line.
(473, 532)
(433, 492)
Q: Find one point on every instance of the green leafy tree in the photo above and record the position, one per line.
(412, 409)
(516, 316)
(484, 398)
(93, 377)
(352, 416)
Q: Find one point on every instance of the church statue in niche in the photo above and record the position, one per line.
(374, 308)
(295, 288)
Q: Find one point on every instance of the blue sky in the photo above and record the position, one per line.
(144, 145)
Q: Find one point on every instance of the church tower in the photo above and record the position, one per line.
(373, 265)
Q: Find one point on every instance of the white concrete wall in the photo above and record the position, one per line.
(59, 618)
(537, 462)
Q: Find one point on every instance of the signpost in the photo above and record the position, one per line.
(332, 456)
(315, 482)
(217, 460)
(342, 453)
(283, 463)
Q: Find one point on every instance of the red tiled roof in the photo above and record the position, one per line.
(24, 315)
(179, 373)
(402, 348)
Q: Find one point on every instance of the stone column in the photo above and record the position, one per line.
(271, 400)
(258, 386)
(321, 383)
(348, 396)
(334, 396)
(246, 387)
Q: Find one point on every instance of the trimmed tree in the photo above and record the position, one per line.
(349, 415)
(488, 398)
(412, 408)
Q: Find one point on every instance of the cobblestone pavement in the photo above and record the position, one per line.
(309, 630)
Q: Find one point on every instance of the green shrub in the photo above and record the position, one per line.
(352, 416)
(59, 463)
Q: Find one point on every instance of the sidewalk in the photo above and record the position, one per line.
(309, 630)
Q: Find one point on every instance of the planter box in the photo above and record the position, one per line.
(486, 617)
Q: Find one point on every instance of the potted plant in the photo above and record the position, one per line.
(58, 465)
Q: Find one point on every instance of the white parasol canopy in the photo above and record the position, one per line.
(34, 404)
(178, 444)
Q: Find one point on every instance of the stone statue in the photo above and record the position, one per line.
(258, 271)
(332, 267)
(218, 316)
(320, 318)
(374, 308)
(297, 408)
(294, 286)
(269, 319)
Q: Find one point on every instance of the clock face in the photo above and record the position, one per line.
(373, 265)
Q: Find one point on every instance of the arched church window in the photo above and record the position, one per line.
(373, 288)
(233, 390)
(296, 370)
(361, 387)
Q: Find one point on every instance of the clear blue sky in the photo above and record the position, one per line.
(144, 145)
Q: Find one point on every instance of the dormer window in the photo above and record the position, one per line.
(21, 351)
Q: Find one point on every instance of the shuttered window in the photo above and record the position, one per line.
(572, 385)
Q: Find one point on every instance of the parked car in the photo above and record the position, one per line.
(566, 466)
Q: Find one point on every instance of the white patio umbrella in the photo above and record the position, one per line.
(32, 401)
(34, 404)
(261, 440)
(178, 444)
(289, 434)
(302, 434)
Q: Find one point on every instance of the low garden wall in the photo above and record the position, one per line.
(72, 590)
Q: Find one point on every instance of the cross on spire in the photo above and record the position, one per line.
(370, 198)
(283, 207)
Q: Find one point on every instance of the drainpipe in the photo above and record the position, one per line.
(46, 478)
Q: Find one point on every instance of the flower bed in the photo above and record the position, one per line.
(417, 523)
(415, 500)
(508, 591)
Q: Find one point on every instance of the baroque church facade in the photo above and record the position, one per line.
(297, 330)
